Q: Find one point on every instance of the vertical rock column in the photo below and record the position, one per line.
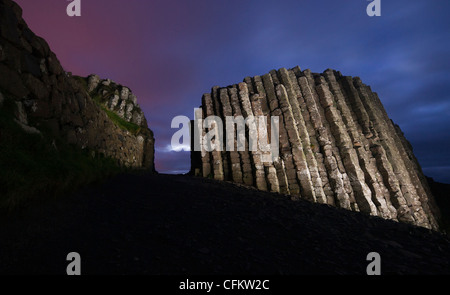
(216, 165)
(234, 157)
(269, 169)
(206, 156)
(384, 127)
(215, 95)
(334, 149)
(362, 148)
(429, 204)
(309, 142)
(261, 108)
(246, 165)
(342, 198)
(380, 150)
(275, 111)
(418, 179)
(294, 142)
(206, 161)
(362, 192)
(260, 176)
(298, 135)
(315, 147)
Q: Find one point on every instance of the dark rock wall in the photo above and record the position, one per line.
(49, 98)
(337, 146)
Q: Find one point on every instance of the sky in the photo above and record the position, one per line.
(171, 52)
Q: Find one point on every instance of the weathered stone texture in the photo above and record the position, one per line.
(337, 145)
(50, 98)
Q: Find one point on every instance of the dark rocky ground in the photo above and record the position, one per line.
(163, 224)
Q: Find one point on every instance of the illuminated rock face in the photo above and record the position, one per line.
(337, 146)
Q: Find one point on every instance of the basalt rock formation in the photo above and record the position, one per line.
(69, 107)
(116, 98)
(337, 146)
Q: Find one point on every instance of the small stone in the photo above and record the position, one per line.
(106, 82)
(93, 82)
(124, 93)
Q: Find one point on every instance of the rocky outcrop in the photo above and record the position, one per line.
(337, 145)
(117, 98)
(52, 100)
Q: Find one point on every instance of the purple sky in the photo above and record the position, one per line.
(171, 52)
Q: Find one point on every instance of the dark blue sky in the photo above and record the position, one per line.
(171, 52)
